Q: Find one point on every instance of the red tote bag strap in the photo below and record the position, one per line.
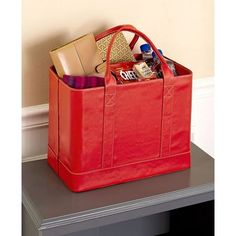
(110, 100)
(114, 30)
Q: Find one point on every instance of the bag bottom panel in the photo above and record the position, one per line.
(107, 177)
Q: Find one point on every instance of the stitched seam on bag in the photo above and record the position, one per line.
(103, 149)
(113, 133)
(58, 124)
(110, 99)
(169, 94)
(113, 130)
(103, 131)
(160, 134)
(120, 166)
(171, 126)
(136, 178)
(164, 117)
(111, 103)
(162, 113)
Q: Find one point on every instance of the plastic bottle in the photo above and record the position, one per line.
(157, 65)
(146, 51)
(170, 63)
(151, 59)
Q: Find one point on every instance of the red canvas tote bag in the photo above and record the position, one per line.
(120, 132)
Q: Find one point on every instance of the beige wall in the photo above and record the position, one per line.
(182, 28)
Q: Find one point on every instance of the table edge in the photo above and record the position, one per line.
(138, 204)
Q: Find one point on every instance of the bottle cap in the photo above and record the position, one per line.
(154, 55)
(160, 51)
(145, 47)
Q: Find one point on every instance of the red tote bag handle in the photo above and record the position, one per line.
(114, 30)
(109, 80)
(110, 98)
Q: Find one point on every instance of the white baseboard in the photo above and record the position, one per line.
(35, 116)
(34, 158)
(35, 122)
(203, 114)
(34, 132)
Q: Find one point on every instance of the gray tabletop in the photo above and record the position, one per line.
(50, 204)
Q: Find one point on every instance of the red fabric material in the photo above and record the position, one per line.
(77, 182)
(117, 133)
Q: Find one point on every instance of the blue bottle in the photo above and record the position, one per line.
(146, 51)
(170, 63)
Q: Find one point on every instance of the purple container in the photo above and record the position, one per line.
(82, 82)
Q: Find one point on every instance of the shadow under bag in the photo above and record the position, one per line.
(120, 132)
